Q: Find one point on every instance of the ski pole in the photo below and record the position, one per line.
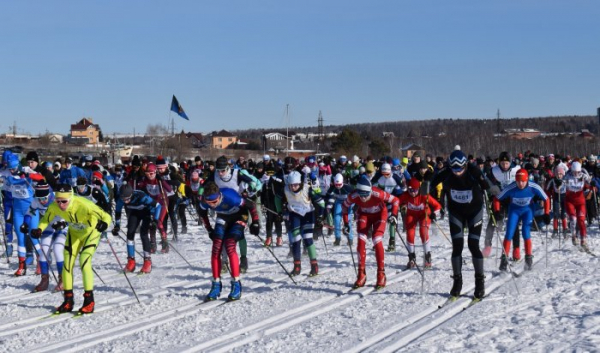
(123, 269)
(178, 253)
(276, 259)
(443, 233)
(45, 257)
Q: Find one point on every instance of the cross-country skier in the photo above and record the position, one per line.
(577, 182)
(393, 184)
(556, 190)
(336, 195)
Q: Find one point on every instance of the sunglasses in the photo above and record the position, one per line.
(43, 199)
(62, 201)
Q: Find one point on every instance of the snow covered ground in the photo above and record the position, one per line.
(556, 308)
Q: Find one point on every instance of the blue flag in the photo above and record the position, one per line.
(176, 107)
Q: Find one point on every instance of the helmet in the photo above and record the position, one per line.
(414, 184)
(338, 180)
(294, 178)
(457, 160)
(126, 191)
(386, 169)
(576, 167)
(522, 175)
(364, 187)
(221, 163)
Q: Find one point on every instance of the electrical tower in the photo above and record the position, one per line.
(320, 129)
(498, 122)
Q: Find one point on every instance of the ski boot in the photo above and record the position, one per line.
(279, 241)
(516, 255)
(88, 303)
(456, 286)
(243, 264)
(268, 241)
(487, 251)
(215, 291)
(380, 279)
(575, 241)
(297, 268)
(59, 285)
(22, 270)
(43, 285)
(165, 246)
(67, 305)
(391, 245)
(236, 291)
(479, 286)
(147, 266)
(314, 268)
(503, 263)
(337, 242)
(528, 262)
(412, 260)
(130, 267)
(361, 279)
(428, 263)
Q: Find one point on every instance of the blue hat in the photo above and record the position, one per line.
(13, 161)
(457, 160)
(364, 187)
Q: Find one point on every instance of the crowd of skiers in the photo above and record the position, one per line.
(60, 210)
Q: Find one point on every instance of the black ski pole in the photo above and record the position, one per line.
(276, 259)
(178, 253)
(45, 257)
(122, 269)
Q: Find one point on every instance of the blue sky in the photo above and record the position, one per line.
(236, 64)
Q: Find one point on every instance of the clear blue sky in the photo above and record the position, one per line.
(235, 64)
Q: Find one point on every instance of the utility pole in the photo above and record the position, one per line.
(320, 128)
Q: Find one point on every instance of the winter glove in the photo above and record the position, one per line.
(60, 225)
(319, 222)
(433, 216)
(546, 218)
(558, 182)
(36, 233)
(24, 228)
(254, 228)
(393, 221)
(115, 230)
(346, 229)
(101, 226)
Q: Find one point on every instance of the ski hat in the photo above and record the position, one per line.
(592, 158)
(68, 160)
(57, 164)
(126, 191)
(221, 163)
(63, 191)
(160, 161)
(151, 168)
(423, 164)
(457, 148)
(370, 167)
(386, 169)
(5, 156)
(294, 178)
(338, 180)
(576, 167)
(355, 159)
(13, 161)
(98, 175)
(81, 181)
(42, 189)
(457, 160)
(343, 159)
(404, 161)
(414, 184)
(266, 158)
(364, 186)
(136, 161)
(32, 156)
(118, 162)
(504, 157)
(522, 175)
(197, 159)
(396, 162)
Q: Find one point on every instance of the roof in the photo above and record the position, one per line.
(222, 133)
(412, 147)
(84, 124)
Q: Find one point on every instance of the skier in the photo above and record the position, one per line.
(142, 210)
(521, 194)
(556, 190)
(86, 221)
(577, 182)
(335, 196)
(464, 184)
(372, 215)
(302, 201)
(421, 210)
(231, 219)
(501, 176)
(55, 235)
(70, 173)
(393, 184)
(157, 189)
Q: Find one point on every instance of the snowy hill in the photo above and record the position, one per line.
(556, 307)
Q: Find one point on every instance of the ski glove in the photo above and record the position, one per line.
(254, 228)
(319, 222)
(115, 230)
(36, 233)
(101, 226)
(24, 228)
(59, 225)
(393, 220)
(558, 182)
(346, 229)
(432, 216)
(546, 218)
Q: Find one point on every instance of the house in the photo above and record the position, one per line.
(196, 139)
(222, 139)
(520, 134)
(85, 131)
(586, 134)
(411, 149)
